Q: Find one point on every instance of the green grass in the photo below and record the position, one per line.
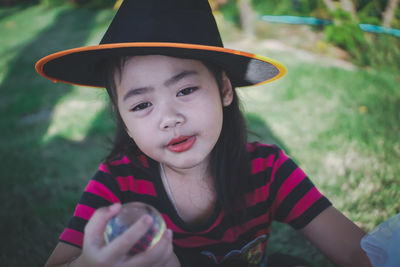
(341, 126)
(343, 129)
(52, 135)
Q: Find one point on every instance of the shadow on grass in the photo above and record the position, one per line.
(259, 131)
(284, 239)
(8, 11)
(26, 108)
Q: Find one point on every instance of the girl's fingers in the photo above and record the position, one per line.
(157, 255)
(94, 230)
(118, 249)
(121, 245)
(163, 249)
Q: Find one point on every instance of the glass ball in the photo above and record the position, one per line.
(129, 214)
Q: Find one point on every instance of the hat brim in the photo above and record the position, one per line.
(84, 66)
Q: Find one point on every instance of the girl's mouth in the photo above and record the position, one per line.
(181, 144)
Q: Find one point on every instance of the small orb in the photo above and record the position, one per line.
(130, 213)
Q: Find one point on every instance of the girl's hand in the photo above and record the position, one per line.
(96, 253)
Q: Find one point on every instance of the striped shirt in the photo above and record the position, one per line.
(277, 190)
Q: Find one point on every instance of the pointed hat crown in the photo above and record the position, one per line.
(179, 28)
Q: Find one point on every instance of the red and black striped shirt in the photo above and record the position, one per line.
(277, 190)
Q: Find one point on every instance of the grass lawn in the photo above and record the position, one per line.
(341, 125)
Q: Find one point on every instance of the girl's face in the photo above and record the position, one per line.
(172, 108)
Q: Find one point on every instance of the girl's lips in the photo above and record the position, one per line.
(181, 144)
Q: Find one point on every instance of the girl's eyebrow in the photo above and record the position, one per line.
(137, 91)
(143, 90)
(176, 78)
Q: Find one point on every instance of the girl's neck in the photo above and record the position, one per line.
(193, 198)
(199, 173)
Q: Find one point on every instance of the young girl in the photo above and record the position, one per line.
(181, 147)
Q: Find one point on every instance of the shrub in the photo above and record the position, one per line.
(346, 34)
(365, 49)
(289, 7)
(80, 3)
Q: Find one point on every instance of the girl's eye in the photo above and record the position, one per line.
(187, 91)
(141, 106)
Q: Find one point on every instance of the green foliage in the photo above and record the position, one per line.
(273, 7)
(346, 34)
(384, 52)
(53, 2)
(370, 14)
(365, 49)
(287, 7)
(17, 2)
(230, 12)
(396, 20)
(80, 3)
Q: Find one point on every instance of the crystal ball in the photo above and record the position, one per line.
(129, 214)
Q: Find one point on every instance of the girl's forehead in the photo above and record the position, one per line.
(160, 61)
(152, 68)
(156, 70)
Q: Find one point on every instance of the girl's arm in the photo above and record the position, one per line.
(62, 254)
(338, 238)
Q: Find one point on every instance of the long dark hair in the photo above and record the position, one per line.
(229, 162)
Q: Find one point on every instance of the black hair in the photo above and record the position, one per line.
(229, 162)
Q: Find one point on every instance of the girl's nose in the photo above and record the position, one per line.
(171, 119)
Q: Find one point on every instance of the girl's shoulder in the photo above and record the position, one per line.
(257, 150)
(122, 163)
(121, 174)
(266, 157)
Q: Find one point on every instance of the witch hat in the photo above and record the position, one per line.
(179, 28)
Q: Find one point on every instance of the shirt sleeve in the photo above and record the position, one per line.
(297, 201)
(100, 191)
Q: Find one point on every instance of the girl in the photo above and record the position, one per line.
(181, 147)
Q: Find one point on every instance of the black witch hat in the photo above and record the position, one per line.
(179, 28)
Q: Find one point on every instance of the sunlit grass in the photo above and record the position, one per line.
(342, 127)
(74, 114)
(29, 21)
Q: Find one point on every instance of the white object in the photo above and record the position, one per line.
(382, 244)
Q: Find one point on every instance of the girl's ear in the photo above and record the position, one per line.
(227, 90)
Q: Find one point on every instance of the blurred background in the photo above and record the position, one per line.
(336, 112)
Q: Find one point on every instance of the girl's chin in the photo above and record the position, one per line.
(182, 165)
(185, 162)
